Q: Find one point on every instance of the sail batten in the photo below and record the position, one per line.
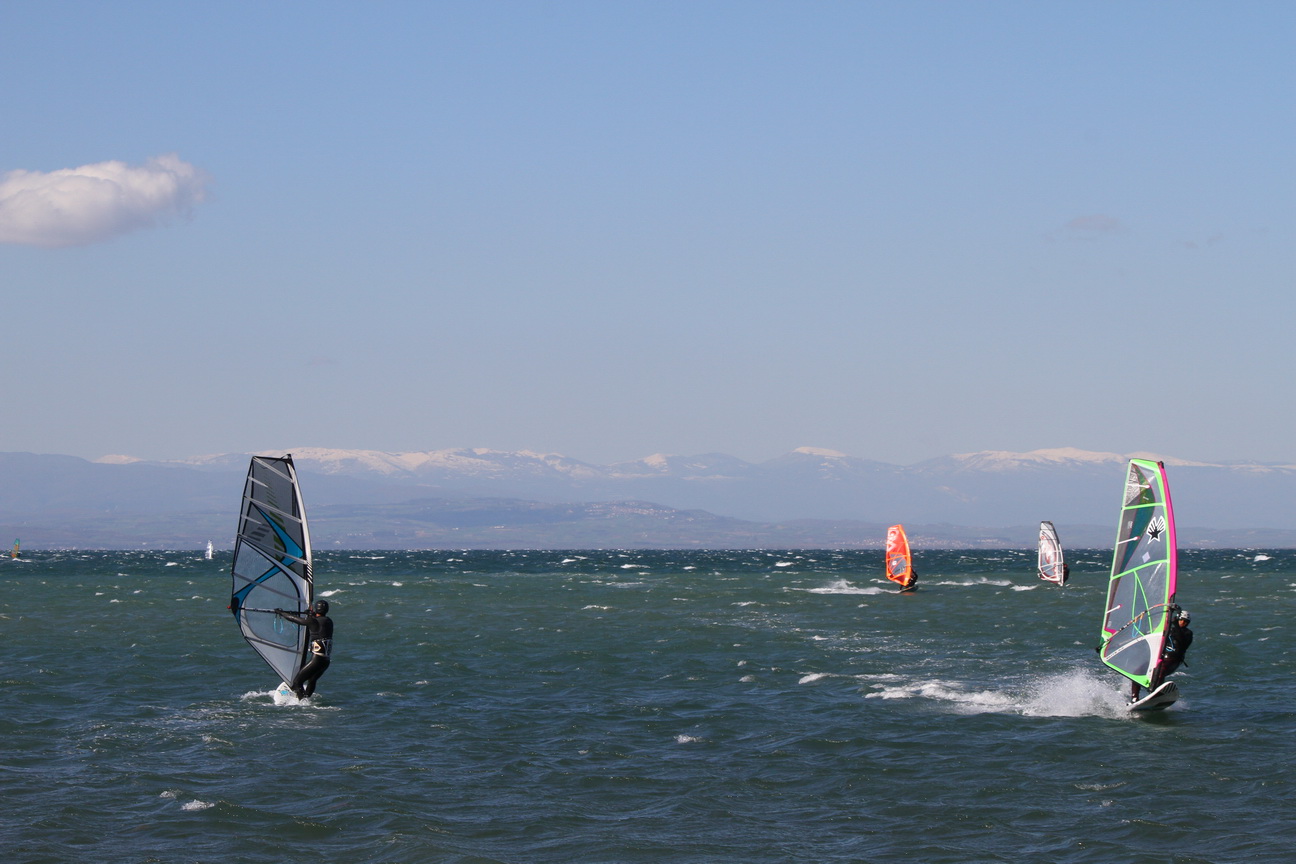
(1144, 574)
(272, 564)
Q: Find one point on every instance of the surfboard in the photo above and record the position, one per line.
(1159, 699)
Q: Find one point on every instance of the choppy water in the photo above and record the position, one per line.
(641, 707)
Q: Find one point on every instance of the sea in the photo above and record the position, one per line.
(641, 706)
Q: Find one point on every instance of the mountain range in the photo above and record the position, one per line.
(484, 498)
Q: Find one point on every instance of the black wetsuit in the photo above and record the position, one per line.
(319, 648)
(1176, 646)
(1172, 656)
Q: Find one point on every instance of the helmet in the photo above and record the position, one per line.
(1184, 616)
(320, 607)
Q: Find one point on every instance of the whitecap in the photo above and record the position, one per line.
(197, 805)
(1074, 693)
(842, 586)
(997, 583)
(812, 677)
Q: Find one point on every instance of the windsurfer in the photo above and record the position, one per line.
(319, 644)
(913, 580)
(1178, 637)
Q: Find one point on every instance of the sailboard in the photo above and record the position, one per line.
(15, 553)
(1052, 567)
(1162, 697)
(1144, 576)
(272, 565)
(208, 554)
(899, 561)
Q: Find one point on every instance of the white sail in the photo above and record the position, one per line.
(1052, 567)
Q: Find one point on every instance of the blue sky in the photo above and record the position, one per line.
(894, 229)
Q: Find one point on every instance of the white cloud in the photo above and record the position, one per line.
(79, 206)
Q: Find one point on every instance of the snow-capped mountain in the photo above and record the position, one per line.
(986, 488)
(991, 489)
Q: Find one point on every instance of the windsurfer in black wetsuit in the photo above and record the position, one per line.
(1178, 638)
(319, 646)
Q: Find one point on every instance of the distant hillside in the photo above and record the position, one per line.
(486, 498)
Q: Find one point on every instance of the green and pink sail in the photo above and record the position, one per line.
(1143, 575)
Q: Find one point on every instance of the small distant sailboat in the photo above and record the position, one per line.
(208, 554)
(1144, 577)
(899, 561)
(1052, 566)
(15, 553)
(272, 565)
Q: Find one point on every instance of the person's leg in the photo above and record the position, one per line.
(313, 671)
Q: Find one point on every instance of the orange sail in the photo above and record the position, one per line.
(899, 563)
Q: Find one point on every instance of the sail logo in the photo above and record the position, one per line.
(1156, 528)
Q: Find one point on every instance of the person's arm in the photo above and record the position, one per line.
(288, 616)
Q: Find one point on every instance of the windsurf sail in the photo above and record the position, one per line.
(1051, 566)
(1143, 575)
(14, 553)
(899, 563)
(272, 565)
(210, 550)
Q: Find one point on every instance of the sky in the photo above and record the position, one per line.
(897, 230)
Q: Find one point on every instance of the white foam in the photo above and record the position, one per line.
(280, 695)
(197, 805)
(997, 583)
(1073, 693)
(842, 586)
